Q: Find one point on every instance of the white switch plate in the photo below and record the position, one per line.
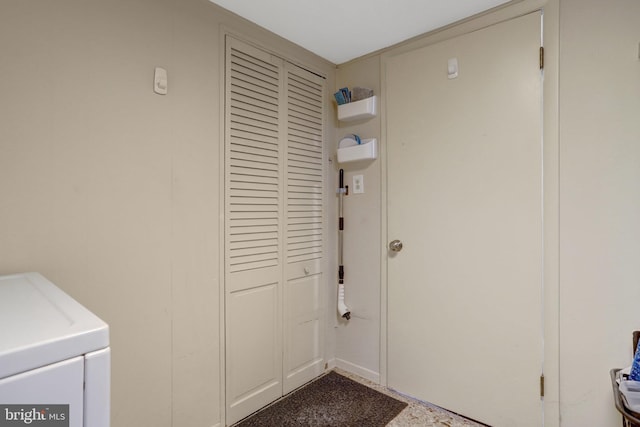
(358, 184)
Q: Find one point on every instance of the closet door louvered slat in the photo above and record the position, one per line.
(254, 228)
(305, 93)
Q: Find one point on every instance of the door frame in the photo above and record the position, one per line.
(551, 214)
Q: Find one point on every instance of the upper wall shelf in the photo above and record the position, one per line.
(358, 110)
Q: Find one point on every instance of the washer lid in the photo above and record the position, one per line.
(40, 325)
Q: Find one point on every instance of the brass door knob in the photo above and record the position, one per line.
(395, 246)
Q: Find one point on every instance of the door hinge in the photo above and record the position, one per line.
(541, 57)
(542, 385)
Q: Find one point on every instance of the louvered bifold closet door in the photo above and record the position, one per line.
(254, 227)
(305, 222)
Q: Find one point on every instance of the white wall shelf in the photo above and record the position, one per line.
(358, 110)
(367, 150)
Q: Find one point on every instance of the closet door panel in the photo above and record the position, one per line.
(252, 380)
(304, 246)
(254, 228)
(303, 331)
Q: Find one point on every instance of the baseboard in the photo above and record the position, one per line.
(358, 370)
(331, 363)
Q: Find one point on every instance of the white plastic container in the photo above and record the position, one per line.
(358, 110)
(367, 150)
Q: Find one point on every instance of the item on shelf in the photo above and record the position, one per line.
(343, 96)
(349, 141)
(340, 98)
(360, 93)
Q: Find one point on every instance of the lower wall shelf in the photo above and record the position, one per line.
(366, 150)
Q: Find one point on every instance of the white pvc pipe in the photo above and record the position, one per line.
(343, 310)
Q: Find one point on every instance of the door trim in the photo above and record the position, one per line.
(551, 215)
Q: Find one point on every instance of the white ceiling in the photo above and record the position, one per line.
(340, 30)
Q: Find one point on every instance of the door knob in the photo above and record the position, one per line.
(395, 246)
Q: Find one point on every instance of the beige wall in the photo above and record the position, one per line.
(112, 192)
(599, 202)
(358, 340)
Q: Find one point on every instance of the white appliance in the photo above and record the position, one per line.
(53, 351)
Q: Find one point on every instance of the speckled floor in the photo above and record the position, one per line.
(417, 413)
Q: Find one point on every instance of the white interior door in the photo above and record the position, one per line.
(465, 199)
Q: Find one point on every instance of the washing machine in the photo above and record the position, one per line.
(55, 359)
